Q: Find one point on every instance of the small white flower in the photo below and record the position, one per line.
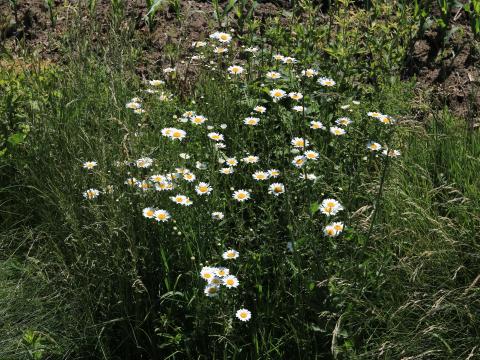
(243, 315)
(230, 254)
(217, 215)
(276, 189)
(91, 194)
(89, 165)
(230, 281)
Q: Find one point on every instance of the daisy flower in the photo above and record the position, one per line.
(169, 70)
(203, 189)
(298, 108)
(226, 170)
(231, 161)
(133, 105)
(276, 189)
(230, 254)
(177, 134)
(241, 195)
(188, 176)
(89, 165)
(311, 155)
(260, 175)
(223, 37)
(274, 173)
(181, 200)
(316, 125)
(184, 156)
(374, 114)
(235, 70)
(250, 159)
(148, 212)
(289, 60)
(217, 215)
(230, 281)
(330, 207)
(326, 82)
(391, 152)
(385, 119)
(91, 194)
(309, 73)
(343, 121)
(188, 114)
(252, 49)
(374, 146)
(144, 185)
(252, 121)
(215, 136)
(161, 215)
(198, 119)
(330, 231)
(335, 130)
(220, 50)
(273, 75)
(260, 109)
(222, 271)
(278, 57)
(243, 315)
(299, 161)
(211, 290)
(156, 82)
(277, 94)
(144, 163)
(295, 96)
(299, 143)
(131, 181)
(207, 273)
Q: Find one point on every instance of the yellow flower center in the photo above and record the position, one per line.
(230, 282)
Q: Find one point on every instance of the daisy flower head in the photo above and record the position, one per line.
(311, 155)
(387, 120)
(298, 161)
(230, 281)
(184, 156)
(220, 50)
(338, 226)
(251, 49)
(273, 75)
(133, 105)
(148, 212)
(161, 215)
(188, 176)
(337, 131)
(243, 315)
(156, 82)
(198, 119)
(230, 254)
(144, 185)
(139, 111)
(222, 271)
(226, 170)
(241, 195)
(374, 146)
(299, 143)
(215, 136)
(231, 161)
(91, 194)
(144, 163)
(252, 121)
(315, 125)
(177, 134)
(277, 94)
(298, 108)
(261, 175)
(330, 207)
(181, 200)
(203, 188)
(391, 153)
(289, 60)
(260, 109)
(89, 165)
(374, 114)
(309, 73)
(217, 215)
(216, 280)
(295, 96)
(169, 70)
(330, 231)
(131, 181)
(326, 82)
(250, 159)
(276, 189)
(223, 37)
(274, 173)
(235, 70)
(207, 273)
(278, 57)
(343, 121)
(211, 290)
(188, 114)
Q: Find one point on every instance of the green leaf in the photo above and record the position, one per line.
(16, 139)
(314, 207)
